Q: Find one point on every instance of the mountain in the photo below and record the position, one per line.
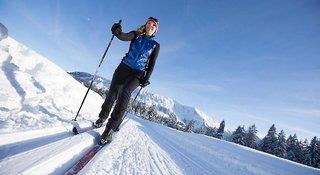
(100, 84)
(184, 113)
(164, 105)
(3, 32)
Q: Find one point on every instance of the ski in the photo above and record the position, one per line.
(78, 129)
(87, 157)
(84, 160)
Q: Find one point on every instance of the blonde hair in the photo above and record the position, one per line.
(141, 30)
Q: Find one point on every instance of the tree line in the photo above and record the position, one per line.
(277, 144)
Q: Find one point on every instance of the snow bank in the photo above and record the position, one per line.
(35, 93)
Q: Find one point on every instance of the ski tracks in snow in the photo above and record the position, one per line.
(140, 147)
(132, 152)
(143, 147)
(46, 151)
(55, 151)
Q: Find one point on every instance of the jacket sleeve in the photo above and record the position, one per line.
(152, 61)
(126, 36)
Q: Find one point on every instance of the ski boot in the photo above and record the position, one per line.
(106, 137)
(98, 123)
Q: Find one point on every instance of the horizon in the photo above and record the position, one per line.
(259, 66)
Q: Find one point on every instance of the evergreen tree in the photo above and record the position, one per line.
(143, 109)
(302, 150)
(269, 142)
(136, 108)
(171, 121)
(317, 154)
(239, 136)
(312, 157)
(203, 129)
(139, 108)
(190, 126)
(251, 137)
(292, 145)
(152, 113)
(180, 126)
(281, 148)
(220, 130)
(211, 131)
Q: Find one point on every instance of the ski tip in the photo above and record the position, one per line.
(75, 130)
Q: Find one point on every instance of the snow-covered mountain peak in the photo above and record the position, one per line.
(3, 32)
(184, 113)
(151, 98)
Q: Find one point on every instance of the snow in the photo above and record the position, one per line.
(132, 152)
(38, 99)
(175, 152)
(35, 93)
(53, 157)
(143, 147)
(99, 82)
(184, 113)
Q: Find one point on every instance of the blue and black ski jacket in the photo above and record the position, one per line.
(142, 54)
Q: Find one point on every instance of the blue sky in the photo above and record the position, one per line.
(243, 61)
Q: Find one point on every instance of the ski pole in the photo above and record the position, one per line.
(95, 74)
(127, 109)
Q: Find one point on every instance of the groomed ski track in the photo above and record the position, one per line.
(140, 147)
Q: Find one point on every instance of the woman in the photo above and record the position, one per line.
(134, 70)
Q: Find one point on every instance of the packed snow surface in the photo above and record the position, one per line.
(143, 147)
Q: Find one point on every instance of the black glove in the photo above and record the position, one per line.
(144, 82)
(116, 29)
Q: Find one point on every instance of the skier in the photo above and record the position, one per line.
(134, 70)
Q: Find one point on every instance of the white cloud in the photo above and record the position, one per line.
(173, 47)
(303, 112)
(197, 87)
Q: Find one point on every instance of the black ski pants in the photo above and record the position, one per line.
(124, 81)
